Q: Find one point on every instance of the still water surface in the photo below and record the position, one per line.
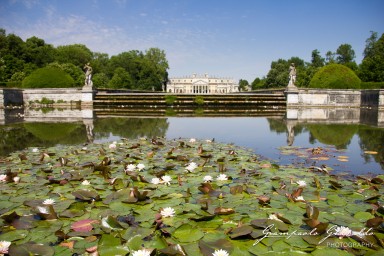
(266, 136)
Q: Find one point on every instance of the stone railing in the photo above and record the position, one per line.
(350, 106)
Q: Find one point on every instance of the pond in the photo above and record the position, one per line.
(351, 148)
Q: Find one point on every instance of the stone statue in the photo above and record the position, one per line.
(292, 74)
(88, 75)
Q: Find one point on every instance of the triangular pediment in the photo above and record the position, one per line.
(200, 82)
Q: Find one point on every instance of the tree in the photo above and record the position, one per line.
(100, 80)
(345, 54)
(369, 50)
(316, 60)
(257, 83)
(330, 57)
(37, 52)
(372, 66)
(243, 84)
(77, 54)
(278, 75)
(121, 79)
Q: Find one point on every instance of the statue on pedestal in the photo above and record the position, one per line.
(88, 75)
(292, 74)
(292, 77)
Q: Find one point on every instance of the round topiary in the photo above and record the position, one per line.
(48, 77)
(335, 76)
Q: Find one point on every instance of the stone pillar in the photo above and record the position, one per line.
(380, 114)
(381, 99)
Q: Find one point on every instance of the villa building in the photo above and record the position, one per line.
(203, 84)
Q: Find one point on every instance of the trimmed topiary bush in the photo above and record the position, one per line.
(335, 76)
(48, 77)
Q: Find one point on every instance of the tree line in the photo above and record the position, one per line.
(133, 69)
(147, 70)
(371, 69)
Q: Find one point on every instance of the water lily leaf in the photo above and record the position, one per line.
(372, 199)
(187, 234)
(241, 231)
(377, 180)
(335, 200)
(363, 216)
(86, 195)
(374, 222)
(31, 249)
(173, 249)
(83, 225)
(14, 235)
(236, 189)
(335, 184)
(207, 248)
(71, 213)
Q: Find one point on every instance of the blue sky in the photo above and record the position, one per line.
(227, 38)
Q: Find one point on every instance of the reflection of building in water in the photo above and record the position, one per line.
(197, 84)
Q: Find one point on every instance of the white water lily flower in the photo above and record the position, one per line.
(155, 181)
(222, 177)
(35, 150)
(301, 183)
(49, 201)
(85, 183)
(208, 141)
(112, 146)
(166, 179)
(140, 167)
(43, 210)
(299, 198)
(220, 252)
(3, 177)
(192, 140)
(130, 167)
(4, 246)
(192, 166)
(167, 212)
(343, 232)
(207, 178)
(274, 217)
(142, 252)
(16, 179)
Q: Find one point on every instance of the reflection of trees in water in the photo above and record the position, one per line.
(339, 135)
(18, 136)
(372, 140)
(130, 127)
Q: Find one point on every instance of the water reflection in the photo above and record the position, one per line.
(262, 134)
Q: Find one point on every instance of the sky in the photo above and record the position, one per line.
(236, 39)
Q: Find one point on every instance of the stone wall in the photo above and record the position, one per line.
(57, 95)
(329, 98)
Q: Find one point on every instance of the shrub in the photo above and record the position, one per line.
(372, 85)
(199, 100)
(48, 77)
(170, 99)
(335, 76)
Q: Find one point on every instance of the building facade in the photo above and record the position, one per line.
(203, 84)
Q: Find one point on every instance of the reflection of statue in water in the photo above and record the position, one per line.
(291, 133)
(89, 129)
(292, 74)
(88, 75)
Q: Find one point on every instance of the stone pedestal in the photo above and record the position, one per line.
(87, 96)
